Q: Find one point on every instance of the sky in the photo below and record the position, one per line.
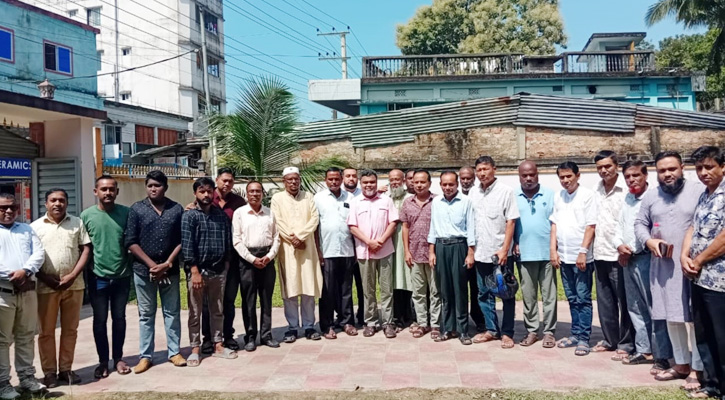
(279, 37)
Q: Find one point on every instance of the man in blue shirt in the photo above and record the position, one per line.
(21, 256)
(532, 238)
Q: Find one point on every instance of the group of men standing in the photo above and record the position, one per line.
(658, 255)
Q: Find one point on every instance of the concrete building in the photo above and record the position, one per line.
(47, 128)
(609, 67)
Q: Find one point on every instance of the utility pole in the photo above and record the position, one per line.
(343, 55)
(116, 81)
(207, 96)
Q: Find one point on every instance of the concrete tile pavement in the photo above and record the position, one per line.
(358, 362)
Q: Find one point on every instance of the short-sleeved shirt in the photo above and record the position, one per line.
(232, 202)
(372, 216)
(572, 214)
(62, 243)
(335, 236)
(609, 206)
(533, 228)
(157, 235)
(708, 223)
(418, 219)
(106, 229)
(492, 208)
(452, 219)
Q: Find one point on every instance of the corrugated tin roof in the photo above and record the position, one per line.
(658, 116)
(522, 109)
(573, 113)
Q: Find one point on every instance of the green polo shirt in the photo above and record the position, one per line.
(110, 258)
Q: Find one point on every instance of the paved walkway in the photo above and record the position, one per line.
(358, 362)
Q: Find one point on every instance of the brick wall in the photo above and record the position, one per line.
(509, 144)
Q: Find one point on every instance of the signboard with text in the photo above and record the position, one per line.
(15, 168)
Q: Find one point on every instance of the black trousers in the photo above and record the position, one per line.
(403, 313)
(476, 313)
(450, 274)
(708, 314)
(257, 282)
(612, 306)
(336, 293)
(360, 314)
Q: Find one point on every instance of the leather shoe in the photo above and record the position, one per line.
(231, 344)
(207, 347)
(271, 343)
(251, 345)
(68, 378)
(143, 365)
(50, 380)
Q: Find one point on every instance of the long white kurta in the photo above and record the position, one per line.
(299, 270)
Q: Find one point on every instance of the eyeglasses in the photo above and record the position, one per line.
(11, 207)
(532, 205)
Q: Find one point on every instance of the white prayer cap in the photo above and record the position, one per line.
(290, 170)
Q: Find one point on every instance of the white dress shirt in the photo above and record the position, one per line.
(20, 248)
(609, 206)
(252, 229)
(572, 214)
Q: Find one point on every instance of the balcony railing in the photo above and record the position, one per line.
(140, 171)
(507, 64)
(455, 64)
(608, 61)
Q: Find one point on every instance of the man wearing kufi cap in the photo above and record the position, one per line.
(299, 266)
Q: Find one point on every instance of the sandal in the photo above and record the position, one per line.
(435, 333)
(670, 375)
(226, 353)
(350, 330)
(660, 365)
(193, 360)
(619, 355)
(636, 359)
(602, 346)
(507, 342)
(549, 341)
(530, 339)
(702, 393)
(582, 349)
(331, 334)
(484, 337)
(691, 385)
(122, 368)
(101, 371)
(567, 342)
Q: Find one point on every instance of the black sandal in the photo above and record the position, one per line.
(636, 359)
(101, 372)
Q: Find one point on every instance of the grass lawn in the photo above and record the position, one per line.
(403, 394)
(277, 297)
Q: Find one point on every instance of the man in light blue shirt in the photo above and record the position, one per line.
(532, 239)
(21, 256)
(452, 242)
(337, 256)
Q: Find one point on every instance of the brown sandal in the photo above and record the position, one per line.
(484, 337)
(350, 330)
(530, 339)
(670, 375)
(549, 341)
(331, 334)
(435, 333)
(507, 342)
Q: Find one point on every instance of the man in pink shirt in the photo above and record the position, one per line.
(372, 220)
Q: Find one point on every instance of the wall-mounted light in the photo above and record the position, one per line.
(47, 90)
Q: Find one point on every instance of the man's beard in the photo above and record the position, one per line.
(350, 186)
(675, 187)
(397, 192)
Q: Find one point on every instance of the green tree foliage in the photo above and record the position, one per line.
(694, 14)
(693, 53)
(483, 26)
(259, 139)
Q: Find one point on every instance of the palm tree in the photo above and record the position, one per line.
(259, 139)
(693, 14)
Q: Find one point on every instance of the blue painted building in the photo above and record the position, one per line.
(48, 105)
(609, 67)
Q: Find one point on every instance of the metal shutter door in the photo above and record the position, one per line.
(51, 173)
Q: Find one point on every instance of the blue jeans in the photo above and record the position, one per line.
(578, 290)
(487, 301)
(115, 292)
(170, 308)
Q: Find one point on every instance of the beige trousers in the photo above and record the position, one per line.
(18, 320)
